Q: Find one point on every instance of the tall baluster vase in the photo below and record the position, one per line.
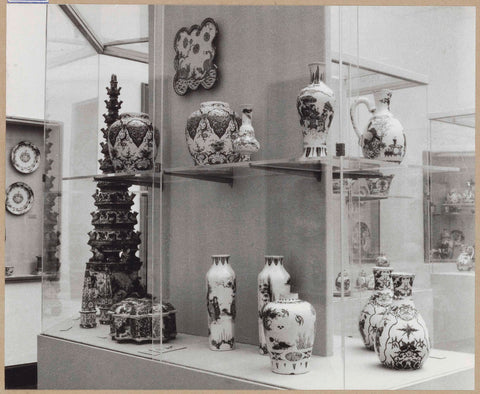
(401, 339)
(273, 280)
(315, 105)
(374, 310)
(221, 289)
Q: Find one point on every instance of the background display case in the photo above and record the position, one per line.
(329, 217)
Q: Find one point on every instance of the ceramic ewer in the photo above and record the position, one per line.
(374, 310)
(210, 133)
(245, 143)
(315, 105)
(401, 338)
(384, 137)
(273, 280)
(221, 289)
(133, 143)
(289, 325)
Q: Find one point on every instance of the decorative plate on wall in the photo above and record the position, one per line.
(194, 54)
(19, 198)
(25, 157)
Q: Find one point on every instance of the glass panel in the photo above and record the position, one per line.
(96, 227)
(103, 20)
(396, 213)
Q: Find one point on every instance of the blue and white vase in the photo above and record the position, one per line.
(273, 280)
(315, 105)
(401, 338)
(289, 325)
(221, 289)
(373, 312)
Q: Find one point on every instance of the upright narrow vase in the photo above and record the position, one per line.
(373, 312)
(245, 143)
(273, 280)
(289, 325)
(315, 107)
(221, 288)
(401, 339)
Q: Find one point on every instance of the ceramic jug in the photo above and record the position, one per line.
(383, 138)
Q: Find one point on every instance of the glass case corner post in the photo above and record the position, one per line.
(111, 273)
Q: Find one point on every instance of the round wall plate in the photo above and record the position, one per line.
(25, 157)
(19, 198)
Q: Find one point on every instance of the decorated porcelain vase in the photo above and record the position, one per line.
(346, 282)
(382, 260)
(383, 138)
(315, 105)
(373, 312)
(401, 338)
(210, 133)
(133, 143)
(466, 260)
(273, 280)
(245, 143)
(289, 325)
(221, 288)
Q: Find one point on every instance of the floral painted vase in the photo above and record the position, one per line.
(466, 259)
(289, 325)
(315, 105)
(401, 339)
(221, 289)
(133, 143)
(273, 280)
(373, 312)
(361, 281)
(210, 133)
(383, 138)
(246, 143)
(345, 279)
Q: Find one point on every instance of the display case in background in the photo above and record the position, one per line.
(330, 218)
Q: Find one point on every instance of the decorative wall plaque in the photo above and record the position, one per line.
(194, 56)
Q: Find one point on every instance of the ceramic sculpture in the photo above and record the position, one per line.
(245, 143)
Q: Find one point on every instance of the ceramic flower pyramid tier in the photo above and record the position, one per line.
(112, 272)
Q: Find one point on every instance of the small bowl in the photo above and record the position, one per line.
(9, 270)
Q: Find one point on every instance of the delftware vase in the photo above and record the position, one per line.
(383, 138)
(273, 280)
(382, 260)
(374, 310)
(210, 133)
(221, 288)
(315, 105)
(133, 143)
(245, 144)
(289, 325)
(345, 279)
(466, 260)
(401, 339)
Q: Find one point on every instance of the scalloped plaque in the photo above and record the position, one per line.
(194, 57)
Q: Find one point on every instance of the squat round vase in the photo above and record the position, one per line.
(221, 289)
(374, 310)
(383, 138)
(245, 144)
(289, 325)
(315, 106)
(273, 280)
(401, 339)
(210, 133)
(133, 143)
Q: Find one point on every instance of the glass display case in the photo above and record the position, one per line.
(229, 238)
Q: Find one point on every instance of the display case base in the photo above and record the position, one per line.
(63, 364)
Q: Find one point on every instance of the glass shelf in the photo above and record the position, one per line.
(462, 118)
(141, 179)
(365, 76)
